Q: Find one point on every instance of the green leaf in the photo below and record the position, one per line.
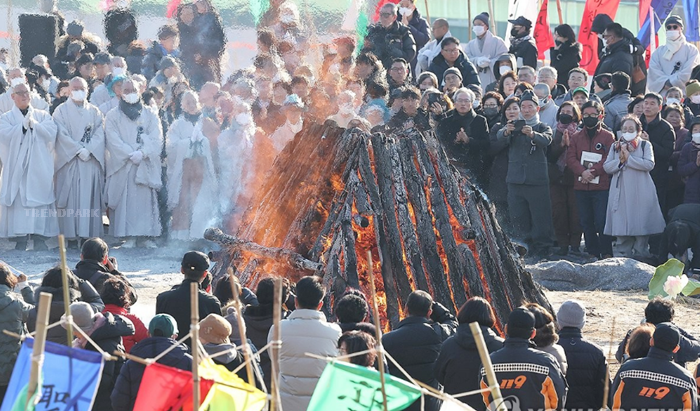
(671, 268)
(692, 288)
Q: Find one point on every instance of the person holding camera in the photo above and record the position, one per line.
(464, 134)
(528, 182)
(96, 267)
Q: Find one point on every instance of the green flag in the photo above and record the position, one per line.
(345, 386)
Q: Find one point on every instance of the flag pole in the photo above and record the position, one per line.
(194, 339)
(66, 288)
(427, 12)
(275, 349)
(488, 367)
(561, 20)
(606, 387)
(492, 17)
(469, 16)
(378, 329)
(42, 322)
(241, 327)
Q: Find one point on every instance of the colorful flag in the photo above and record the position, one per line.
(692, 24)
(652, 29)
(165, 388)
(542, 33)
(69, 378)
(589, 40)
(662, 8)
(230, 392)
(258, 8)
(345, 386)
(517, 8)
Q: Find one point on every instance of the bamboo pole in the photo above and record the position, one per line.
(488, 367)
(427, 13)
(492, 17)
(378, 329)
(241, 327)
(561, 19)
(42, 322)
(275, 349)
(66, 288)
(606, 386)
(194, 318)
(469, 16)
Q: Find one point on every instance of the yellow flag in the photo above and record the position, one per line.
(230, 392)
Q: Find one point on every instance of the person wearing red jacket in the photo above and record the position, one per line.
(115, 295)
(591, 182)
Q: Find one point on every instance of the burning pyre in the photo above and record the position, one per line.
(333, 194)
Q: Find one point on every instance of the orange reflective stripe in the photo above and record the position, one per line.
(617, 399)
(551, 399)
(485, 394)
(697, 381)
(687, 403)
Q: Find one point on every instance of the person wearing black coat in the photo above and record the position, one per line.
(566, 54)
(417, 24)
(465, 136)
(453, 56)
(96, 267)
(389, 39)
(587, 370)
(129, 380)
(633, 47)
(663, 139)
(415, 343)
(458, 365)
(522, 45)
(210, 42)
(681, 233)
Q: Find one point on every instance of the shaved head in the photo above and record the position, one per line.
(441, 23)
(75, 81)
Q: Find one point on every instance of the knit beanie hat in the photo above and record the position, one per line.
(453, 70)
(572, 313)
(529, 95)
(692, 88)
(483, 17)
(521, 319)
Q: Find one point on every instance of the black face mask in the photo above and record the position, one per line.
(566, 118)
(514, 32)
(490, 111)
(558, 43)
(590, 122)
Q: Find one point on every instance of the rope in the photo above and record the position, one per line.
(105, 355)
(172, 347)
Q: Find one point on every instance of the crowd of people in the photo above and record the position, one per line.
(154, 139)
(540, 361)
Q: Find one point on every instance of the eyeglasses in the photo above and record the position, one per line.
(672, 27)
(590, 116)
(454, 50)
(490, 106)
(384, 14)
(398, 69)
(22, 93)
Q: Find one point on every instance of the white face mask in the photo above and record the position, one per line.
(243, 119)
(118, 71)
(45, 84)
(478, 30)
(78, 95)
(131, 98)
(476, 104)
(605, 42)
(504, 69)
(672, 100)
(346, 108)
(405, 11)
(629, 136)
(673, 34)
(16, 81)
(696, 138)
(695, 99)
(297, 127)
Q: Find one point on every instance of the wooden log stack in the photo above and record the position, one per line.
(333, 194)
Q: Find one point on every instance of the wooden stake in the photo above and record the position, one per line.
(275, 349)
(427, 12)
(66, 288)
(469, 16)
(42, 321)
(241, 327)
(561, 20)
(488, 367)
(378, 327)
(606, 383)
(491, 16)
(194, 340)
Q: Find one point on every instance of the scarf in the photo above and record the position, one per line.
(516, 41)
(192, 118)
(672, 46)
(99, 321)
(531, 122)
(133, 111)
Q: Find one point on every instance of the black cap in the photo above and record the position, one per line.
(102, 58)
(195, 261)
(521, 21)
(529, 95)
(674, 20)
(666, 337)
(603, 80)
(521, 319)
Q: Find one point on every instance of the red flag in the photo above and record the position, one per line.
(588, 39)
(165, 388)
(543, 34)
(172, 8)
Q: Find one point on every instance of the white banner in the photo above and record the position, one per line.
(526, 8)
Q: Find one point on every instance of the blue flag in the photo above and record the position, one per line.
(69, 378)
(662, 8)
(690, 7)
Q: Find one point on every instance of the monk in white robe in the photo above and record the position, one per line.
(192, 183)
(234, 146)
(80, 160)
(27, 202)
(16, 76)
(133, 138)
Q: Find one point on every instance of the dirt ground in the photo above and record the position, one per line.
(154, 271)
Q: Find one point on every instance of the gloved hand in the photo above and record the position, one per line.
(28, 122)
(197, 135)
(484, 62)
(136, 157)
(84, 154)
